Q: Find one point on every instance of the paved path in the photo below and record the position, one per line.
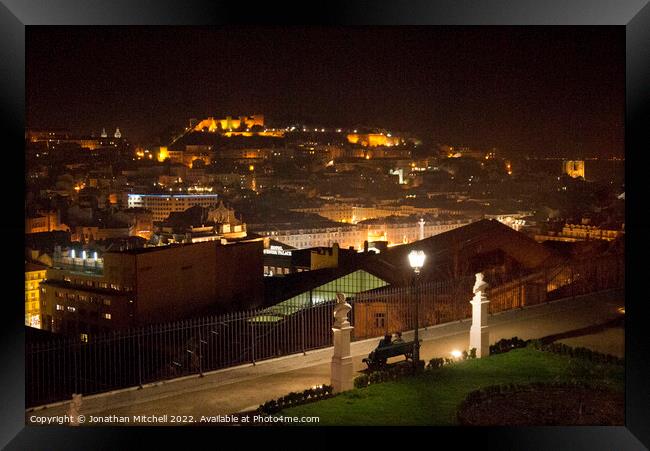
(243, 388)
(609, 341)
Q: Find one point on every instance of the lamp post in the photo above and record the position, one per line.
(416, 260)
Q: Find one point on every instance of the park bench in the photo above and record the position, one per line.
(377, 358)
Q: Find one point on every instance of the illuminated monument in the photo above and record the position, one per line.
(574, 168)
(228, 124)
(373, 139)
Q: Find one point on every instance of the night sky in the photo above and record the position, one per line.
(534, 90)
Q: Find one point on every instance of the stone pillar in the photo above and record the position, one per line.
(421, 224)
(479, 336)
(341, 365)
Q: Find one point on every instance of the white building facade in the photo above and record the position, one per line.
(161, 205)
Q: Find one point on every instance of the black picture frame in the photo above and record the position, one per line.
(634, 15)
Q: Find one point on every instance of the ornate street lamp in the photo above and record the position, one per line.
(416, 260)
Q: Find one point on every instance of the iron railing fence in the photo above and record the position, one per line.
(133, 357)
(56, 369)
(391, 309)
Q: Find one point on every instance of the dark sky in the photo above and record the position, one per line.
(536, 90)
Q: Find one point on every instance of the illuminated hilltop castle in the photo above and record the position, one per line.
(229, 124)
(236, 127)
(373, 139)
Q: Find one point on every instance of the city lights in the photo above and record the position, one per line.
(222, 226)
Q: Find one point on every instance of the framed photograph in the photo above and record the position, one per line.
(359, 215)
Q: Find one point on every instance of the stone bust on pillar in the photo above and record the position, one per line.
(341, 310)
(341, 364)
(480, 286)
(479, 337)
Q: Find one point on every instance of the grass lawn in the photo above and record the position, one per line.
(432, 398)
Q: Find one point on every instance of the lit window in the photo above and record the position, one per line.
(84, 338)
(107, 315)
(107, 302)
(59, 307)
(72, 309)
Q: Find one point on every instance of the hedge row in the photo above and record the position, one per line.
(438, 362)
(295, 399)
(508, 344)
(391, 373)
(582, 353)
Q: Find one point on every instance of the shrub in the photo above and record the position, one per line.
(391, 373)
(291, 397)
(361, 381)
(376, 376)
(294, 399)
(404, 370)
(436, 362)
(507, 344)
(535, 344)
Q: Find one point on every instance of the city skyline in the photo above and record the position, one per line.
(199, 200)
(536, 90)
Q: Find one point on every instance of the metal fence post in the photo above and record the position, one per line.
(75, 350)
(302, 315)
(200, 354)
(139, 360)
(253, 343)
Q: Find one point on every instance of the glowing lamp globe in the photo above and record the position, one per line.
(416, 260)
